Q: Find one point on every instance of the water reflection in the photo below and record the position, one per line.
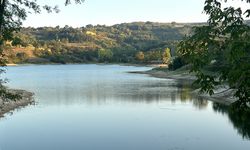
(102, 107)
(128, 91)
(239, 118)
(184, 94)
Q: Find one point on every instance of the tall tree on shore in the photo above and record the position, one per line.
(219, 52)
(166, 56)
(12, 14)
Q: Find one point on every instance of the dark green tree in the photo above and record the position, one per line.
(105, 55)
(177, 63)
(219, 52)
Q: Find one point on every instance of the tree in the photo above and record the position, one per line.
(166, 56)
(12, 14)
(22, 56)
(219, 52)
(105, 55)
(139, 56)
(177, 63)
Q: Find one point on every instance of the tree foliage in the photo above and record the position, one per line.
(140, 56)
(105, 55)
(177, 63)
(12, 14)
(78, 45)
(220, 51)
(166, 56)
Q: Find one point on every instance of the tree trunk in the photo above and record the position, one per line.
(2, 8)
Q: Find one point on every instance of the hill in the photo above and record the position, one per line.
(117, 43)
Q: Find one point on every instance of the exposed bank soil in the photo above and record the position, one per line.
(222, 94)
(10, 105)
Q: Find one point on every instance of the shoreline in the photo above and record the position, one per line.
(11, 105)
(11, 65)
(180, 76)
(222, 94)
(87, 63)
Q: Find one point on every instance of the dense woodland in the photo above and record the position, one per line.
(139, 42)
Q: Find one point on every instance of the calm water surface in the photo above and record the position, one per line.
(101, 107)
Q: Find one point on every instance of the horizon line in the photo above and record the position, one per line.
(110, 25)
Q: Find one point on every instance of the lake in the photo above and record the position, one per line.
(102, 107)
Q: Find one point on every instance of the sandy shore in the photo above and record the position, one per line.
(8, 106)
(11, 64)
(222, 94)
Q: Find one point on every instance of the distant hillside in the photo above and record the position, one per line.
(117, 43)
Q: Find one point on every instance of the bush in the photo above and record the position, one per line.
(22, 56)
(177, 63)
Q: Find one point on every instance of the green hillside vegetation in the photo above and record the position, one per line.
(118, 43)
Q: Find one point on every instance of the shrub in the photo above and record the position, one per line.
(177, 63)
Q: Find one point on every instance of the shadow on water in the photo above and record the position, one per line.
(146, 92)
(184, 94)
(239, 118)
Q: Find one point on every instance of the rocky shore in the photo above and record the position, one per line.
(10, 105)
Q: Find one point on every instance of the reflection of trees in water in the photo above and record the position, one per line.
(185, 94)
(132, 92)
(200, 103)
(163, 91)
(239, 118)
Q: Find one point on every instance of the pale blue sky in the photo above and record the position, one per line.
(111, 12)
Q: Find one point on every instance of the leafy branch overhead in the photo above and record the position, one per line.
(76, 1)
(220, 51)
(12, 14)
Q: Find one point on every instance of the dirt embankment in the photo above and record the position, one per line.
(10, 105)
